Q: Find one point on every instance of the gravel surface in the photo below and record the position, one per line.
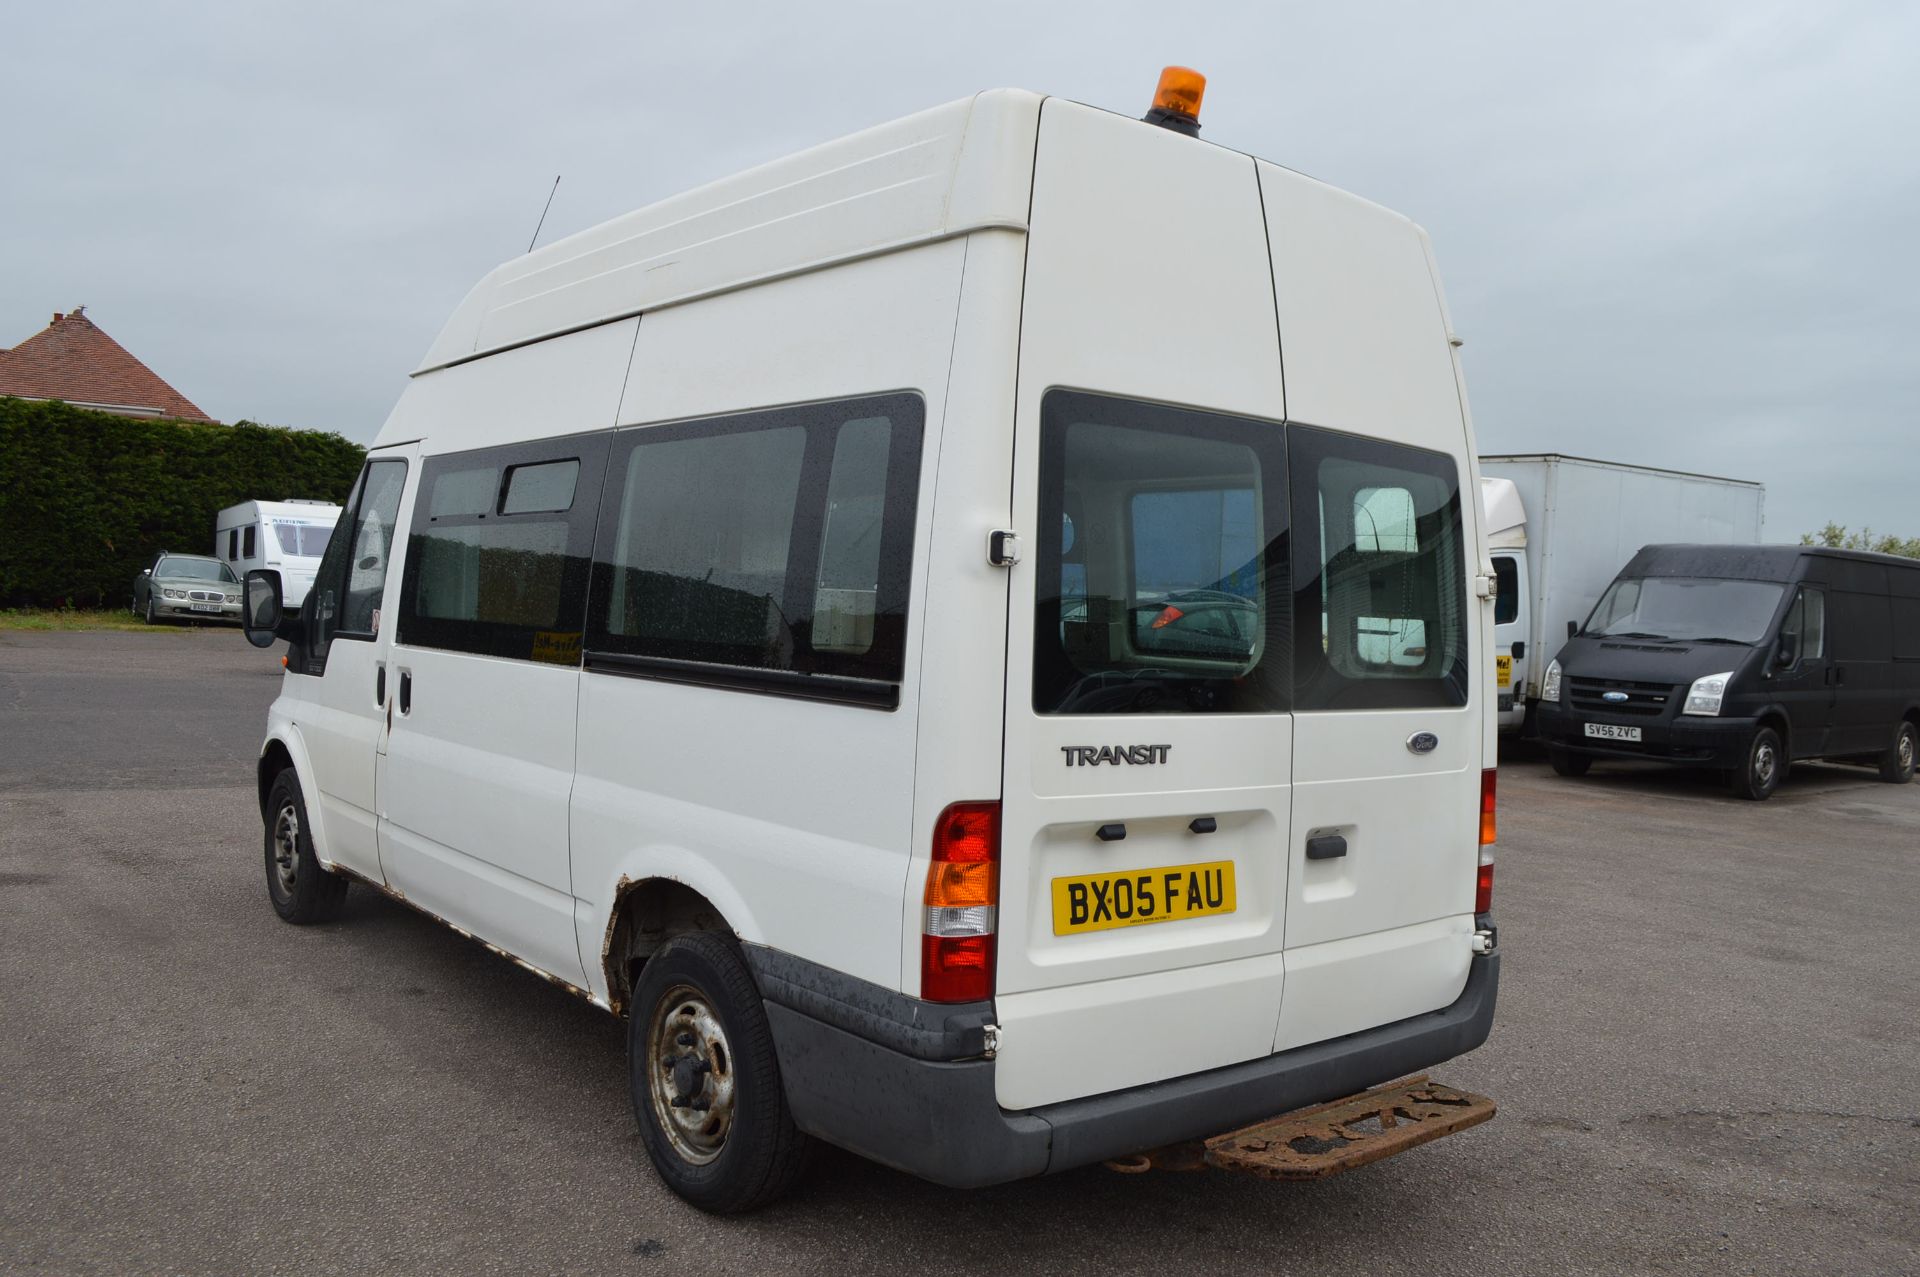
(1705, 1052)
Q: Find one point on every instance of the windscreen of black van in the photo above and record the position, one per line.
(1163, 561)
(1686, 609)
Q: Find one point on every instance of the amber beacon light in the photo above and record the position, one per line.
(1176, 102)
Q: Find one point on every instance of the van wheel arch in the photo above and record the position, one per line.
(646, 914)
(274, 759)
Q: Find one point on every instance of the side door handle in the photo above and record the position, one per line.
(406, 692)
(379, 682)
(1326, 847)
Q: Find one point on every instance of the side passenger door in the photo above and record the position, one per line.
(1805, 687)
(485, 679)
(341, 658)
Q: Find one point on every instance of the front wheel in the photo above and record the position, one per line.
(150, 617)
(1896, 765)
(302, 890)
(706, 1084)
(1765, 767)
(1567, 763)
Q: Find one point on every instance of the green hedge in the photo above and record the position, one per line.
(87, 498)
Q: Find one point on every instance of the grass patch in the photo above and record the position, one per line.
(70, 618)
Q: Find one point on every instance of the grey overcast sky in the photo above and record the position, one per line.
(1684, 235)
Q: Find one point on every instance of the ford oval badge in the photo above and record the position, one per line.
(1423, 742)
(1614, 697)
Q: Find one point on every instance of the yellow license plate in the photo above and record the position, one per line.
(1100, 902)
(1503, 671)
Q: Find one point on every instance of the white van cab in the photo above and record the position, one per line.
(901, 626)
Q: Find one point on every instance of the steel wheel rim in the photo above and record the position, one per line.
(690, 1061)
(1906, 749)
(1764, 764)
(286, 847)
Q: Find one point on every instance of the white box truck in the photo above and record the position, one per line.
(288, 536)
(1559, 528)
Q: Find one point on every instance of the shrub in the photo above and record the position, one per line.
(87, 499)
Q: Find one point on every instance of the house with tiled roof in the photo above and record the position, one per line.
(71, 359)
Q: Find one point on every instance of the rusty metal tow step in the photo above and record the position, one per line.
(1313, 1143)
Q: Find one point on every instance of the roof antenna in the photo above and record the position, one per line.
(543, 215)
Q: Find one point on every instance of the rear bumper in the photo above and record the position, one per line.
(938, 1118)
(1693, 741)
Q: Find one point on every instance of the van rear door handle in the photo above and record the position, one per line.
(380, 683)
(406, 691)
(1326, 847)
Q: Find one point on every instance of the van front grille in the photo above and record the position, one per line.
(1636, 699)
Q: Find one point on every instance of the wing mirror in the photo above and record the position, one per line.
(1789, 650)
(146, 571)
(1573, 629)
(262, 616)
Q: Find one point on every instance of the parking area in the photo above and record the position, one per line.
(1705, 1055)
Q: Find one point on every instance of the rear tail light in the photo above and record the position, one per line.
(1483, 873)
(962, 898)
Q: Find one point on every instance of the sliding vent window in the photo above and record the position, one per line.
(499, 555)
(778, 541)
(1382, 567)
(1163, 561)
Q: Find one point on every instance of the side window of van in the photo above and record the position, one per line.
(770, 550)
(1380, 563)
(498, 554)
(1806, 624)
(1162, 584)
(345, 599)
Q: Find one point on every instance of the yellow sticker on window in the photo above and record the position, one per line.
(557, 647)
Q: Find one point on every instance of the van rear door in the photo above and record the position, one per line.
(1145, 809)
(1389, 739)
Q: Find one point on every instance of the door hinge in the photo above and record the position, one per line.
(990, 1040)
(1485, 585)
(1003, 548)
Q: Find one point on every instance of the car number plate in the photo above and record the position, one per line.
(206, 607)
(1607, 731)
(1100, 902)
(1503, 671)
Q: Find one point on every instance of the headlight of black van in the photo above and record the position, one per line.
(1550, 683)
(1705, 695)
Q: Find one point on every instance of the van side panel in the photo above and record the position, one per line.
(963, 658)
(1381, 933)
(803, 810)
(1147, 281)
(474, 785)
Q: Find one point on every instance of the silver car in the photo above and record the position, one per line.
(190, 586)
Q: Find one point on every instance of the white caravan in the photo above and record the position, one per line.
(1560, 528)
(892, 624)
(287, 536)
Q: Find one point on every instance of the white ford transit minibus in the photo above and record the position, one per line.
(902, 626)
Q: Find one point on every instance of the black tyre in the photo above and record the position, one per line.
(706, 1085)
(1896, 765)
(1765, 767)
(1567, 763)
(151, 619)
(301, 890)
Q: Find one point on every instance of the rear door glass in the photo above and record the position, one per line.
(1163, 561)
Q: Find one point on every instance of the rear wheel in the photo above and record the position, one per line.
(1896, 765)
(1567, 763)
(302, 891)
(1765, 767)
(705, 1082)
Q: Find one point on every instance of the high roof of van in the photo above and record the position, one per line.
(1748, 562)
(944, 172)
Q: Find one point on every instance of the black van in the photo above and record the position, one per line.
(1743, 657)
